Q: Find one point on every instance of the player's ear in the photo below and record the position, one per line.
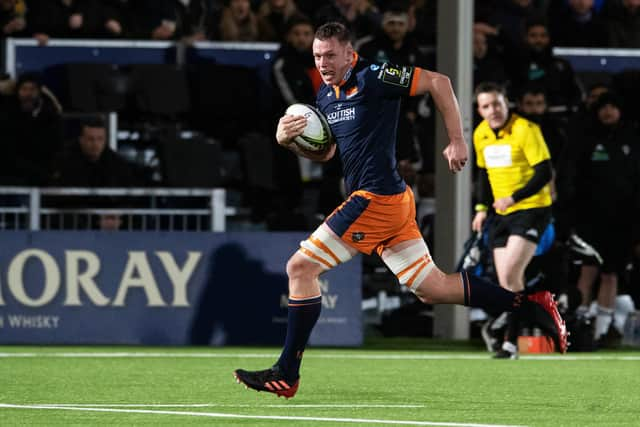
(349, 50)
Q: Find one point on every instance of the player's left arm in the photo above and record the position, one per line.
(439, 86)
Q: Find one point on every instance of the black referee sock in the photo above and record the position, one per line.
(302, 317)
(487, 295)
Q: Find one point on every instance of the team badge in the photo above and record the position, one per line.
(358, 236)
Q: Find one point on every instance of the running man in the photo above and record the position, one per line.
(362, 102)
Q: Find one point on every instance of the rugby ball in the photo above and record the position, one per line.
(317, 134)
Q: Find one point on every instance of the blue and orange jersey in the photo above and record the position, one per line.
(363, 112)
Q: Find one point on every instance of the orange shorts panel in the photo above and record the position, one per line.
(368, 221)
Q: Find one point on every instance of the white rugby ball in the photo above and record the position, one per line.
(317, 134)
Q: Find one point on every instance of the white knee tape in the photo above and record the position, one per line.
(325, 249)
(410, 265)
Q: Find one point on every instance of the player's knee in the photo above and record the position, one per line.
(424, 296)
(300, 268)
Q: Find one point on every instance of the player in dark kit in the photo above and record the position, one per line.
(361, 102)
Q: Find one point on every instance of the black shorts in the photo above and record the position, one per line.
(528, 223)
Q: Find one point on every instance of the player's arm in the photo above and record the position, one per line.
(291, 126)
(439, 86)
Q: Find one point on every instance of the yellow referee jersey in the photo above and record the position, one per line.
(509, 158)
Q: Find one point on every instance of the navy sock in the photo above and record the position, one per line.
(490, 296)
(302, 317)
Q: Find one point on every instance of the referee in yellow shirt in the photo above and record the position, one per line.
(515, 170)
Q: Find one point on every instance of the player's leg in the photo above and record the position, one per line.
(586, 279)
(606, 304)
(411, 262)
(320, 252)
(510, 262)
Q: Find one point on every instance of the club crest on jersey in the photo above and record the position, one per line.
(358, 236)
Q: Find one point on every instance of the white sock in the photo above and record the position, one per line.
(603, 321)
(582, 310)
(510, 347)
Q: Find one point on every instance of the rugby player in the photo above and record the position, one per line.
(361, 102)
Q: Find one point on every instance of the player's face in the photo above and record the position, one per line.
(332, 59)
(492, 107)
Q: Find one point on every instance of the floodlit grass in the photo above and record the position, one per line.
(427, 385)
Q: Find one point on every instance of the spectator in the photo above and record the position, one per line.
(624, 24)
(607, 188)
(12, 19)
(361, 16)
(487, 65)
(537, 64)
(32, 132)
(507, 18)
(532, 105)
(194, 18)
(423, 22)
(70, 19)
(238, 22)
(91, 163)
(577, 24)
(272, 19)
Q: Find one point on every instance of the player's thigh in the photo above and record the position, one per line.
(324, 250)
(410, 261)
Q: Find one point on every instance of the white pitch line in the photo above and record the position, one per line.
(362, 356)
(225, 405)
(252, 417)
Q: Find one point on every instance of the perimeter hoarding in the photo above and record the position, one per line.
(168, 288)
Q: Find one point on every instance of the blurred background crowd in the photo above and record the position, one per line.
(589, 121)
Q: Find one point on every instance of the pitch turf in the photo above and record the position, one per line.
(373, 386)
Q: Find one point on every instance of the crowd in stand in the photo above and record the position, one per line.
(591, 129)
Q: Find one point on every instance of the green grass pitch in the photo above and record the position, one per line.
(426, 386)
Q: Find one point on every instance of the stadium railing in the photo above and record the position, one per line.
(139, 209)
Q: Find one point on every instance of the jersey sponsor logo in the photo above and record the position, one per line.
(342, 115)
(374, 67)
(497, 156)
(398, 76)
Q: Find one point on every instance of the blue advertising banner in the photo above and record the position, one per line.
(160, 288)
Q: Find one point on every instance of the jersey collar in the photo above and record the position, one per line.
(347, 75)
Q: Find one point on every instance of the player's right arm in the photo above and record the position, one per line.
(291, 126)
(439, 86)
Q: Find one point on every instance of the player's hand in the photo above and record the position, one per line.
(289, 127)
(503, 203)
(478, 220)
(456, 154)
